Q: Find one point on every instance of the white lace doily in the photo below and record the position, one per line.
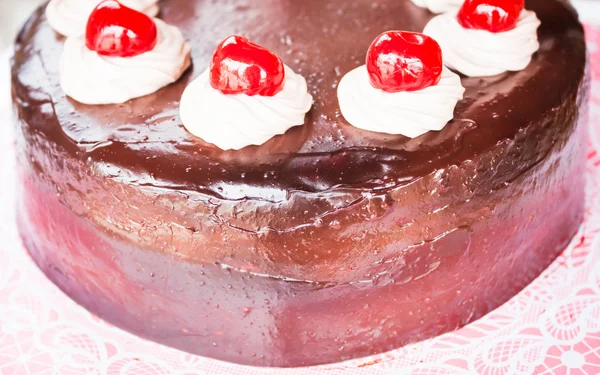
(552, 327)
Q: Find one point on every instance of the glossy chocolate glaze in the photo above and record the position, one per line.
(327, 243)
(322, 40)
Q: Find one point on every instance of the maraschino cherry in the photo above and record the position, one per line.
(404, 61)
(492, 15)
(116, 30)
(239, 66)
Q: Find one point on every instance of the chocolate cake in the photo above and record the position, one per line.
(323, 244)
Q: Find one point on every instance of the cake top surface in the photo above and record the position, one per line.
(144, 142)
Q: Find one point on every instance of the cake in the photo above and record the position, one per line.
(326, 243)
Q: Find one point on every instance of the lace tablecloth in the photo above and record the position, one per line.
(551, 327)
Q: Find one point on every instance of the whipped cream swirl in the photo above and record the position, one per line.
(410, 113)
(69, 17)
(232, 122)
(91, 78)
(480, 53)
(439, 6)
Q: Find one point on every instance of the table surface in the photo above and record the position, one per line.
(551, 327)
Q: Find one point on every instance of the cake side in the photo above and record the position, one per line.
(247, 315)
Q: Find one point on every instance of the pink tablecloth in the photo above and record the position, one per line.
(552, 327)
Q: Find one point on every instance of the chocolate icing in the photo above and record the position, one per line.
(321, 40)
(352, 246)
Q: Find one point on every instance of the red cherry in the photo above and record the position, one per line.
(242, 67)
(404, 61)
(116, 30)
(491, 15)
